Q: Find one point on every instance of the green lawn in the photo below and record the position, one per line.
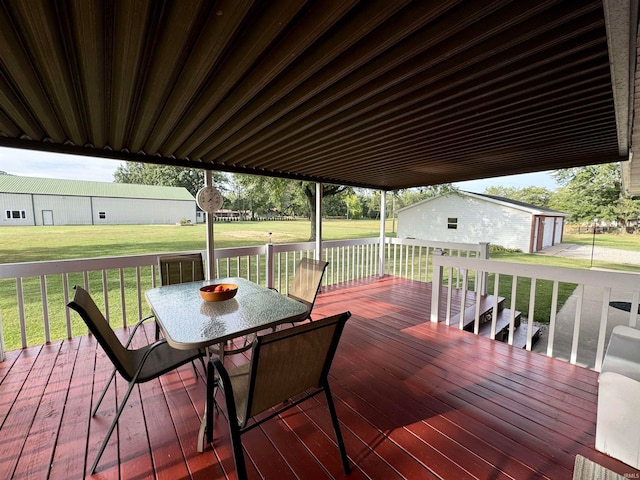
(32, 244)
(623, 242)
(25, 244)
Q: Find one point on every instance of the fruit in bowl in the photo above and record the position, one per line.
(218, 292)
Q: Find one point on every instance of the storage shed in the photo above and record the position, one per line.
(473, 218)
(46, 201)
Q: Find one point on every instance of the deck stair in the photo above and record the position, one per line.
(503, 319)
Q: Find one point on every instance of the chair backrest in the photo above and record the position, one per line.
(180, 268)
(288, 362)
(100, 328)
(306, 282)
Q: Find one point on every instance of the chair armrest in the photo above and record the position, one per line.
(135, 328)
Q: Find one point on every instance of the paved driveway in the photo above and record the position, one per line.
(591, 306)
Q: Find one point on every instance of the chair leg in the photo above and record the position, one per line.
(157, 331)
(112, 427)
(104, 391)
(211, 391)
(238, 454)
(336, 429)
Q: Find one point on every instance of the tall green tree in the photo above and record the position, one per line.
(539, 196)
(287, 196)
(166, 175)
(594, 191)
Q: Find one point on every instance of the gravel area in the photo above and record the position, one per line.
(603, 254)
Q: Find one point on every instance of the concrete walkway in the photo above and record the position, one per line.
(591, 307)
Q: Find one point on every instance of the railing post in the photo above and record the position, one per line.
(484, 279)
(270, 265)
(436, 287)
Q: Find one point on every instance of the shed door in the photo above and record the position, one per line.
(47, 217)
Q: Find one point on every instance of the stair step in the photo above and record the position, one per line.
(520, 336)
(486, 311)
(502, 325)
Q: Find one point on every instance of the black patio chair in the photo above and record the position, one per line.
(286, 368)
(135, 365)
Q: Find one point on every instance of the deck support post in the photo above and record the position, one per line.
(383, 224)
(318, 253)
(210, 265)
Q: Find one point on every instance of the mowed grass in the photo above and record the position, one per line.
(34, 244)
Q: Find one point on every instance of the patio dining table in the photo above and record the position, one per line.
(189, 322)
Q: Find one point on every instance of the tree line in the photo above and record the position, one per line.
(586, 193)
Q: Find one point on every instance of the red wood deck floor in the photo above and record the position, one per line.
(416, 400)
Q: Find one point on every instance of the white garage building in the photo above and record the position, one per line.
(472, 218)
(46, 201)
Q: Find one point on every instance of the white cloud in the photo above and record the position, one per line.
(30, 163)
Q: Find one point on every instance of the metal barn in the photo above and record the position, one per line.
(472, 218)
(45, 201)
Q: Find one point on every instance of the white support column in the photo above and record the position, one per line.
(383, 225)
(210, 265)
(318, 221)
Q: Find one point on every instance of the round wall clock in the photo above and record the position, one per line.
(209, 199)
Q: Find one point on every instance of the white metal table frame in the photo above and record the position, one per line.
(188, 322)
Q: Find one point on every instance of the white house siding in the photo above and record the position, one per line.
(133, 211)
(478, 221)
(16, 202)
(63, 209)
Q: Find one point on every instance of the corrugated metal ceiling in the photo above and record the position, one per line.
(378, 93)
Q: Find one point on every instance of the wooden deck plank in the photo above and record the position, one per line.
(20, 418)
(415, 399)
(38, 449)
(74, 427)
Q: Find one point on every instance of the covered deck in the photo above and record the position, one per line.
(416, 400)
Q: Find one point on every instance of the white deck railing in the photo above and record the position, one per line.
(579, 333)
(34, 294)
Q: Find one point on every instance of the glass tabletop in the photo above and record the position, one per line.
(188, 321)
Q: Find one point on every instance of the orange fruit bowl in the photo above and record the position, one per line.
(218, 292)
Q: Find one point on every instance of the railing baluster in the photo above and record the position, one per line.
(123, 302)
(532, 302)
(552, 319)
(23, 323)
(512, 315)
(65, 295)
(105, 293)
(576, 324)
(139, 291)
(606, 297)
(494, 316)
(45, 308)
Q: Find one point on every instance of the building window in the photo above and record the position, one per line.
(23, 213)
(102, 214)
(452, 223)
(16, 214)
(8, 213)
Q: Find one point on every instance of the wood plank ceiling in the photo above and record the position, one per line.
(377, 93)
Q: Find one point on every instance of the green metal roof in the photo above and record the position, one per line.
(82, 188)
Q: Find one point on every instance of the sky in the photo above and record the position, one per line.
(54, 165)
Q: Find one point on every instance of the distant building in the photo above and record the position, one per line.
(472, 218)
(46, 201)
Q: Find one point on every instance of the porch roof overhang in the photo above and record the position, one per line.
(381, 94)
